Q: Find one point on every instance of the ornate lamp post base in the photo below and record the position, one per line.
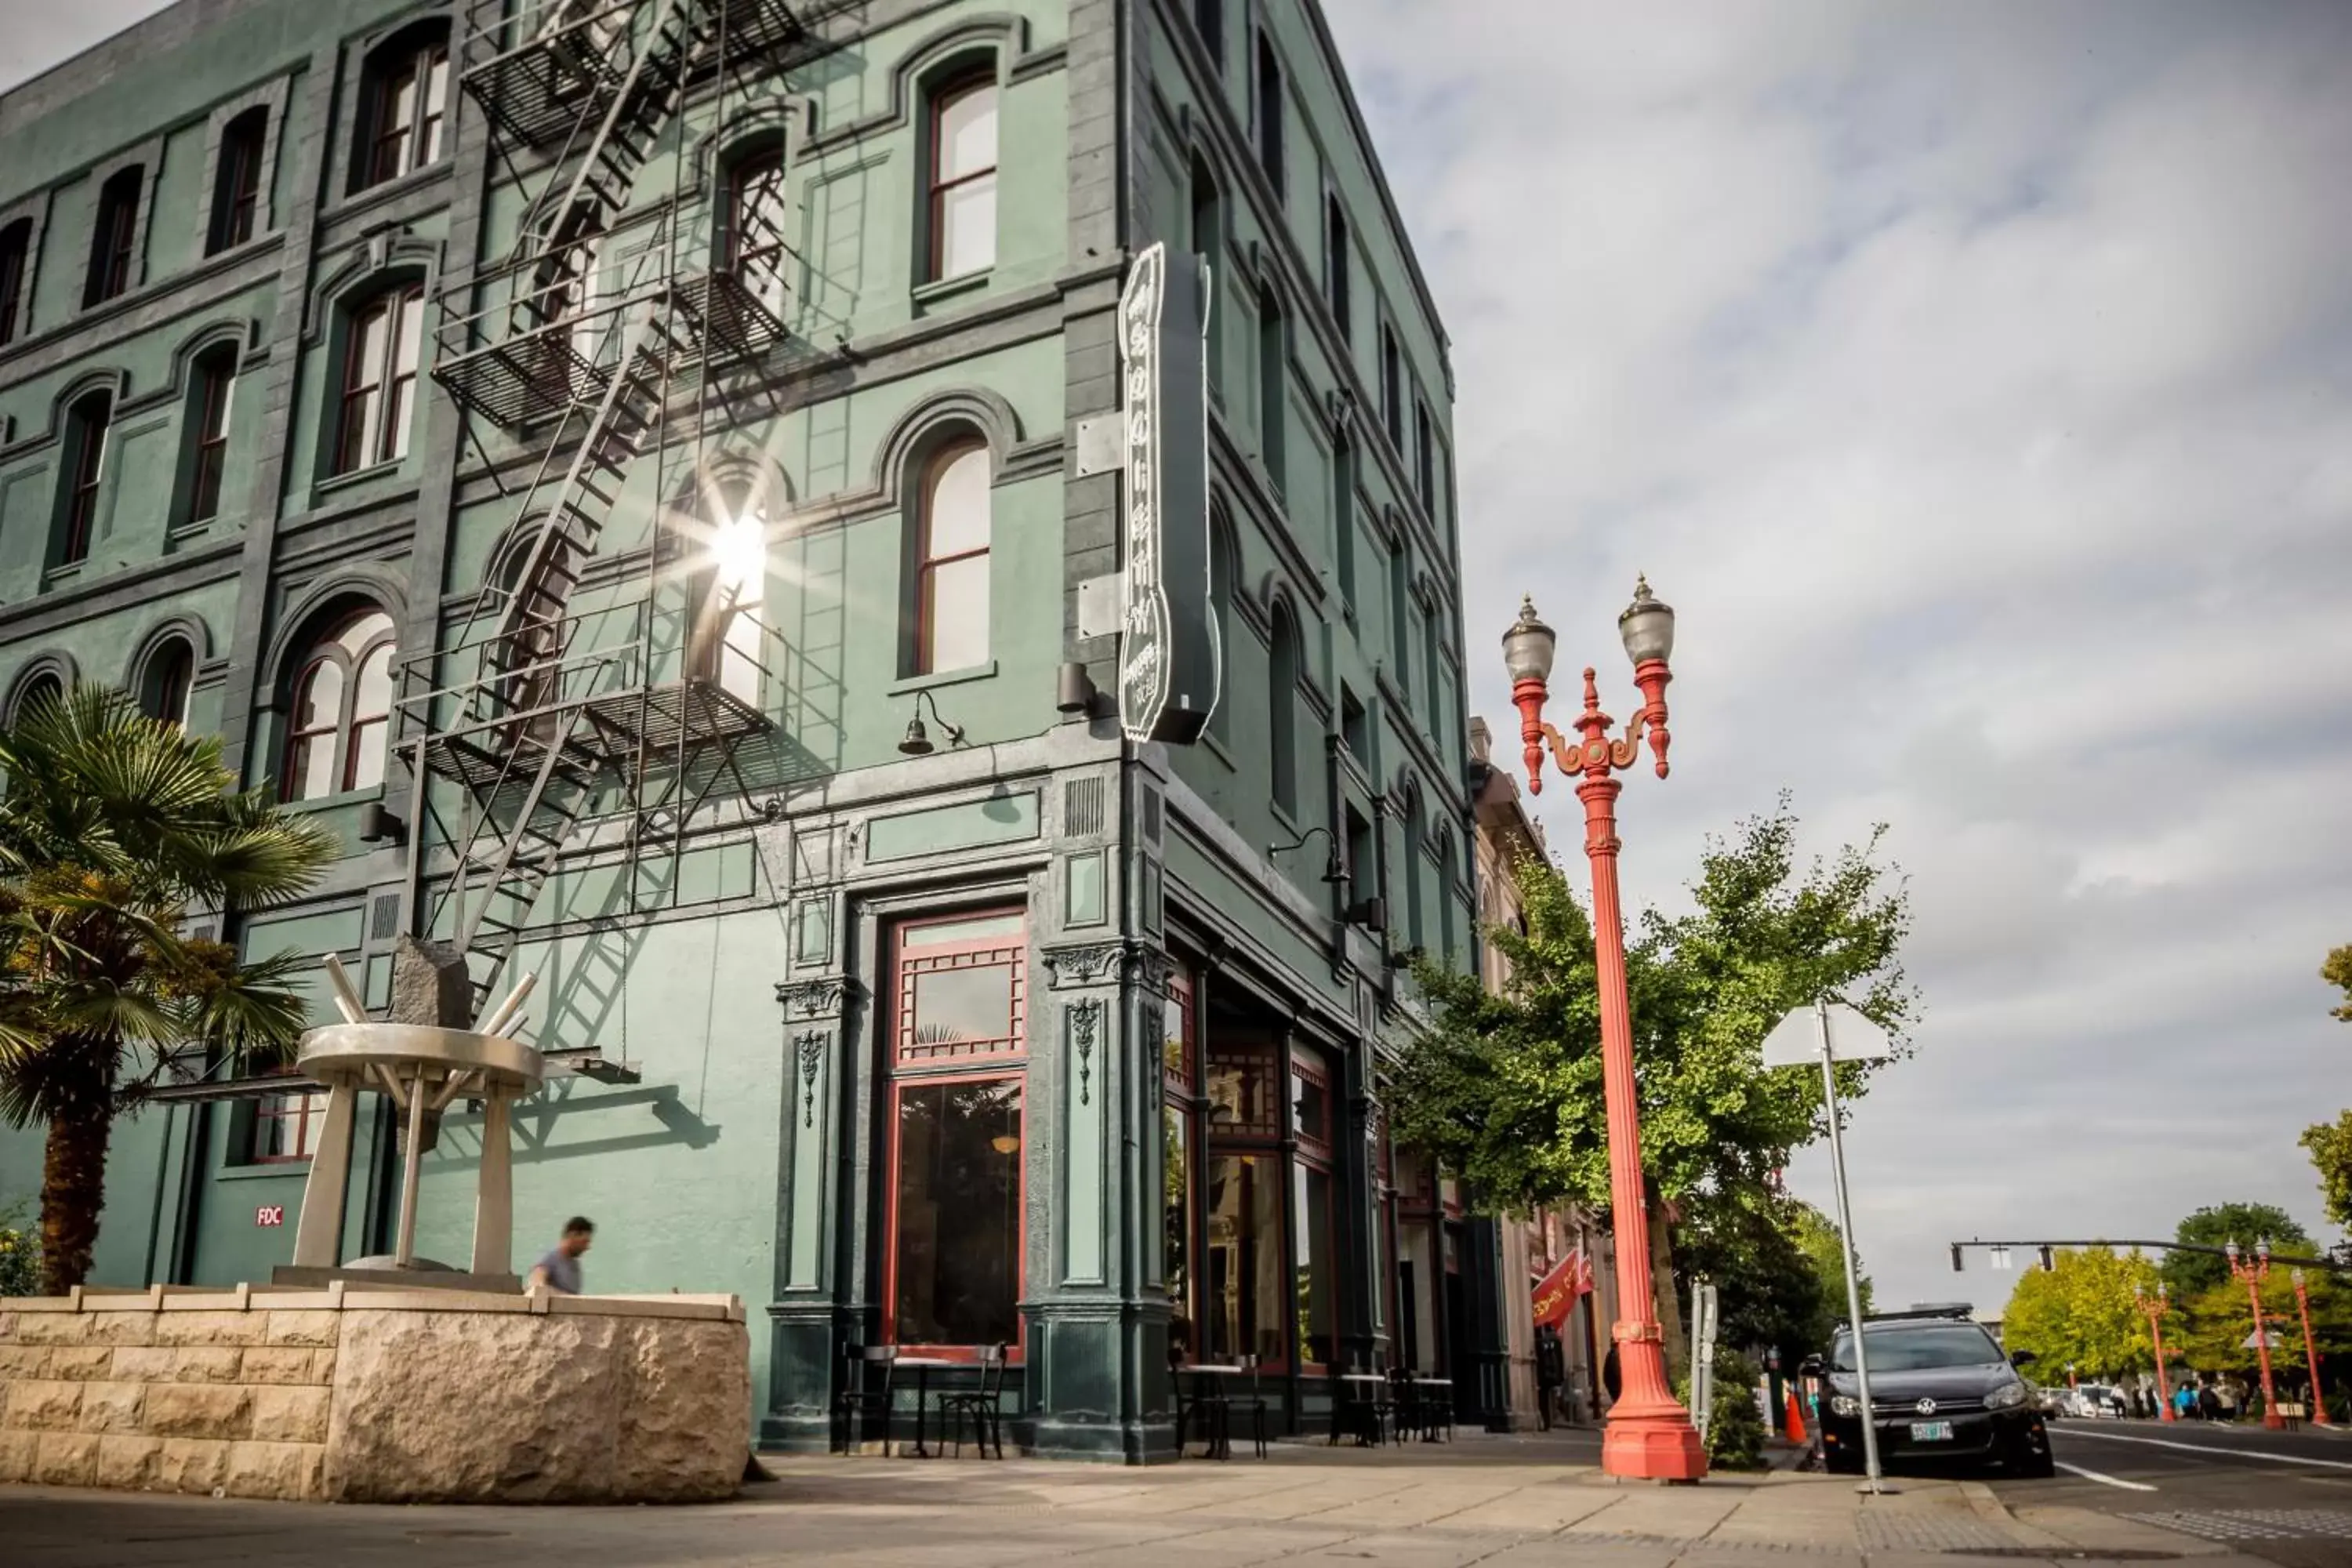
(1660, 1445)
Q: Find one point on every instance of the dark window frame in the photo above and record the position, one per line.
(1284, 662)
(167, 678)
(1424, 457)
(927, 565)
(951, 91)
(15, 272)
(212, 407)
(236, 196)
(1392, 389)
(115, 236)
(1267, 114)
(391, 391)
(349, 724)
(1273, 385)
(1208, 26)
(90, 422)
(905, 1069)
(1336, 273)
(305, 1109)
(397, 140)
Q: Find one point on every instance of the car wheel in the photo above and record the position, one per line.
(2033, 1464)
(1840, 1464)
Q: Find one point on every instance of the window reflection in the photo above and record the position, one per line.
(1246, 1274)
(957, 1260)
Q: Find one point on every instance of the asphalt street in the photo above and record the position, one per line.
(2284, 1496)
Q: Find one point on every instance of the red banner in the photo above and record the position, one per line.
(1571, 1277)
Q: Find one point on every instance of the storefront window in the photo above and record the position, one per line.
(1241, 1089)
(1417, 1295)
(956, 1263)
(1317, 1322)
(1176, 1154)
(956, 1133)
(1246, 1277)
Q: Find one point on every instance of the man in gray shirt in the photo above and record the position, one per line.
(560, 1270)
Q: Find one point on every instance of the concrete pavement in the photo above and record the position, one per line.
(1501, 1503)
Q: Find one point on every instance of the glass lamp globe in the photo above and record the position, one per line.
(1647, 626)
(1528, 646)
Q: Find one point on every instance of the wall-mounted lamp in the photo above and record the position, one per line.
(1075, 690)
(917, 741)
(377, 825)
(1335, 870)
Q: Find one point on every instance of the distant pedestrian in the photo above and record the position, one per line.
(560, 1270)
(2184, 1402)
(2209, 1404)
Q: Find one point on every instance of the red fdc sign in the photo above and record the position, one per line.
(269, 1214)
(1559, 1290)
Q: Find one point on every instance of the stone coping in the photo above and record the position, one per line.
(337, 1296)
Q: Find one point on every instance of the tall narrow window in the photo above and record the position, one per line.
(1269, 113)
(16, 267)
(1178, 1055)
(165, 681)
(1409, 872)
(236, 196)
(1424, 459)
(286, 1127)
(407, 99)
(964, 179)
(1282, 711)
(1245, 1286)
(379, 358)
(1273, 385)
(114, 241)
(1336, 266)
(1400, 613)
(959, 1032)
(952, 590)
(1208, 229)
(86, 434)
(342, 709)
(728, 628)
(1343, 519)
(1315, 1290)
(1209, 21)
(1391, 389)
(757, 212)
(215, 390)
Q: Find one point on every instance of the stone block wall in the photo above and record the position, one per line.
(377, 1395)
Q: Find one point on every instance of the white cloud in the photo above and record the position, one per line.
(1974, 381)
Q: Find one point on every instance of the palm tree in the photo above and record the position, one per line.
(114, 828)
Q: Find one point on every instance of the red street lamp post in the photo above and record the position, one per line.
(2156, 1306)
(2253, 1274)
(2310, 1355)
(1648, 1435)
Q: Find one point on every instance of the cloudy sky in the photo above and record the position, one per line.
(1974, 380)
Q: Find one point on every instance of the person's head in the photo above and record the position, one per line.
(577, 1234)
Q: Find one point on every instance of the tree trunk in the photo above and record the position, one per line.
(73, 1189)
(1661, 1283)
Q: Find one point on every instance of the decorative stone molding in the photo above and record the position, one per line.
(1085, 963)
(808, 1046)
(823, 997)
(1086, 1021)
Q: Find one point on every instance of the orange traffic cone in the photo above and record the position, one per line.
(1796, 1419)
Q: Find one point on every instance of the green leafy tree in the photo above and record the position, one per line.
(113, 827)
(2081, 1312)
(1817, 1238)
(2329, 1144)
(2191, 1274)
(2218, 1321)
(1507, 1089)
(2337, 971)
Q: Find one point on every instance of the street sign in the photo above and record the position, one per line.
(1796, 1040)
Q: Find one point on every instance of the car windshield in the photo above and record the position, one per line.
(1915, 1347)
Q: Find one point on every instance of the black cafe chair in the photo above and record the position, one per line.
(859, 1402)
(983, 1407)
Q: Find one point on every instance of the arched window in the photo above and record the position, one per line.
(1445, 900)
(1273, 385)
(1343, 518)
(963, 178)
(1409, 869)
(758, 214)
(379, 358)
(403, 107)
(951, 578)
(340, 717)
(45, 688)
(114, 242)
(165, 680)
(85, 432)
(237, 189)
(208, 411)
(1282, 711)
(1224, 571)
(16, 266)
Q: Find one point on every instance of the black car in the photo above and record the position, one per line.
(1940, 1388)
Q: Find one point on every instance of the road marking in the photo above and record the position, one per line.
(2104, 1480)
(2211, 1450)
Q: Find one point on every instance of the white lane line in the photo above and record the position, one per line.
(2215, 1450)
(2102, 1479)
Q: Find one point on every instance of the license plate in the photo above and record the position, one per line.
(1931, 1431)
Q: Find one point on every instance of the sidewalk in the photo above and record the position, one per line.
(1500, 1502)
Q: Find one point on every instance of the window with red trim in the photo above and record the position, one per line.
(952, 587)
(380, 360)
(286, 1127)
(954, 1260)
(237, 200)
(114, 242)
(1245, 1287)
(964, 179)
(340, 718)
(1177, 1058)
(215, 390)
(408, 102)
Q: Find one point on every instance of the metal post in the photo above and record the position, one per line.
(1845, 1236)
(412, 1172)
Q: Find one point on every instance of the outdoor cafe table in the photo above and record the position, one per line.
(1427, 1392)
(922, 1366)
(1366, 1405)
(1216, 1444)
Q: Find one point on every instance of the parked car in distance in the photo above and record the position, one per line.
(2095, 1401)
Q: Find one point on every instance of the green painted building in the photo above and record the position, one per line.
(674, 485)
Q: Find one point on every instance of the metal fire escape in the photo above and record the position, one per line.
(553, 717)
